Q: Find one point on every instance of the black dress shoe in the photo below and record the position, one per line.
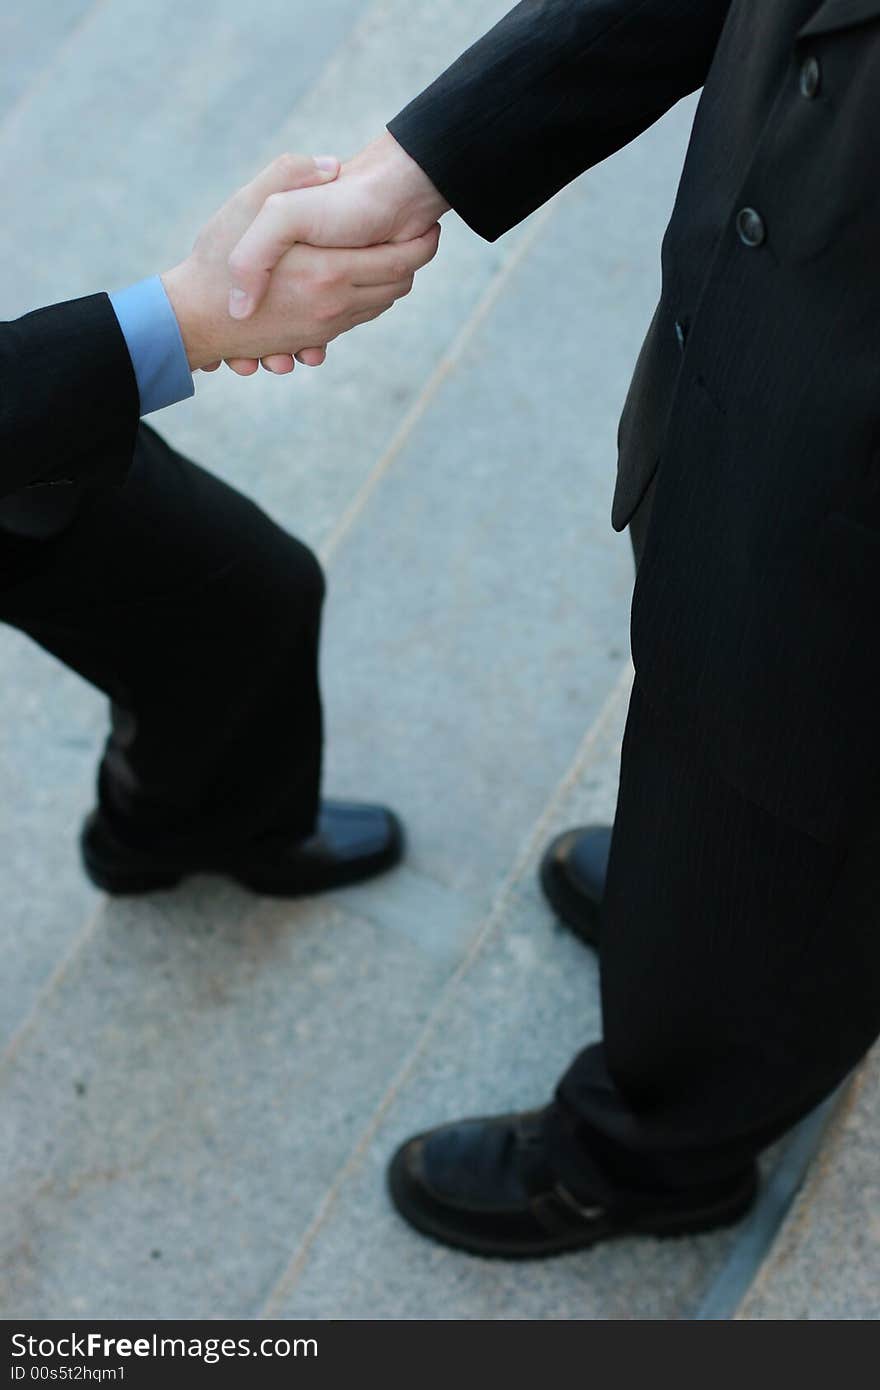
(486, 1186)
(573, 874)
(351, 842)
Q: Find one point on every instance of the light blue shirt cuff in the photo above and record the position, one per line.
(154, 344)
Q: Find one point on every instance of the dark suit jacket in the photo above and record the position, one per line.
(69, 401)
(756, 398)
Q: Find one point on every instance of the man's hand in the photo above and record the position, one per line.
(316, 294)
(380, 196)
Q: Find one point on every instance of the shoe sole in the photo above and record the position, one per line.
(346, 877)
(135, 882)
(663, 1227)
(567, 904)
(122, 885)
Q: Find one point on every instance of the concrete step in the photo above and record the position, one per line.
(134, 122)
(351, 1262)
(172, 1112)
(825, 1262)
(201, 1089)
(207, 1064)
(221, 1081)
(30, 39)
(312, 450)
(192, 1102)
(521, 1004)
(103, 201)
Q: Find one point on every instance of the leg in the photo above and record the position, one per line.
(575, 863)
(199, 617)
(740, 984)
(740, 975)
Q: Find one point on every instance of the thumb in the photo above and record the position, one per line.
(275, 227)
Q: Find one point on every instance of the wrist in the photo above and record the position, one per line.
(187, 304)
(398, 179)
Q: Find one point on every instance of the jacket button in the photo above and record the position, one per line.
(680, 334)
(811, 78)
(750, 227)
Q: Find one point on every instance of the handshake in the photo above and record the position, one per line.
(305, 252)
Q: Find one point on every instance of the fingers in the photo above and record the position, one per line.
(282, 222)
(367, 315)
(378, 297)
(243, 366)
(291, 171)
(382, 265)
(273, 231)
(312, 357)
(209, 367)
(280, 363)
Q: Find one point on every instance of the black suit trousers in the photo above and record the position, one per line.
(740, 971)
(199, 617)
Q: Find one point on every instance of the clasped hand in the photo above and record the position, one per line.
(302, 254)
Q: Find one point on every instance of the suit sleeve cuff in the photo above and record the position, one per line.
(154, 344)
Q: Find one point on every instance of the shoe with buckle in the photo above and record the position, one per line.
(487, 1186)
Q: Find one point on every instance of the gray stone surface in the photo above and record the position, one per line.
(201, 1069)
(52, 726)
(145, 116)
(307, 448)
(304, 447)
(30, 35)
(485, 578)
(499, 1041)
(825, 1264)
(326, 435)
(200, 1089)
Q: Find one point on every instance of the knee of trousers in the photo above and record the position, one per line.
(293, 587)
(305, 573)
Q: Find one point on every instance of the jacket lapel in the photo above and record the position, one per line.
(840, 14)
